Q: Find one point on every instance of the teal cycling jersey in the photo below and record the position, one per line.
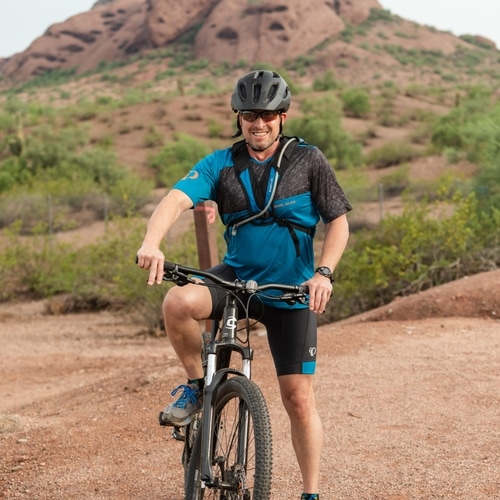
(277, 247)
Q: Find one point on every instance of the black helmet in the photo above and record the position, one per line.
(261, 90)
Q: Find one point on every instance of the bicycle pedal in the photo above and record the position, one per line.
(178, 433)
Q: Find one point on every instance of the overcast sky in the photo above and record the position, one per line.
(22, 21)
(477, 17)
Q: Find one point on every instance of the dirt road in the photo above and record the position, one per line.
(410, 405)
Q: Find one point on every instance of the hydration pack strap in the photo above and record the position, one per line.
(266, 215)
(239, 149)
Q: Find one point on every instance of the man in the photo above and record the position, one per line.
(250, 181)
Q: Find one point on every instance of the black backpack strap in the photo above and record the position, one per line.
(240, 161)
(292, 228)
(240, 156)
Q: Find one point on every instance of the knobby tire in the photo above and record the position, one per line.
(235, 478)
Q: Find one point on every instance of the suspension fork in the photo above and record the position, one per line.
(217, 370)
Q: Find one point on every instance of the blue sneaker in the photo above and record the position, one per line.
(309, 496)
(181, 412)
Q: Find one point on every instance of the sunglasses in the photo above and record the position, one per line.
(267, 116)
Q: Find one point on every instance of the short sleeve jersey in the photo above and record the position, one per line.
(262, 250)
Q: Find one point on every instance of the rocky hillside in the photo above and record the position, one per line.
(337, 34)
(114, 30)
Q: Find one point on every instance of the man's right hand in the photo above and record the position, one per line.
(151, 259)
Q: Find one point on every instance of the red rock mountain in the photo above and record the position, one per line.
(270, 31)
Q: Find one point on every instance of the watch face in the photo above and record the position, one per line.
(324, 271)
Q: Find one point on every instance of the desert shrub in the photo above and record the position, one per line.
(58, 160)
(207, 86)
(326, 82)
(472, 129)
(448, 131)
(356, 102)
(414, 251)
(153, 137)
(347, 35)
(383, 106)
(102, 274)
(392, 153)
(7, 122)
(215, 129)
(377, 14)
(48, 79)
(35, 267)
(483, 148)
(321, 126)
(61, 205)
(451, 130)
(397, 181)
(128, 195)
(356, 185)
(177, 158)
(300, 64)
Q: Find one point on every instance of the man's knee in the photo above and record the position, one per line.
(187, 301)
(297, 395)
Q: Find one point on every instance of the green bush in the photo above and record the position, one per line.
(326, 82)
(392, 153)
(321, 126)
(356, 102)
(420, 249)
(176, 159)
(448, 131)
(102, 274)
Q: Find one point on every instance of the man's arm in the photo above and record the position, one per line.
(149, 256)
(336, 236)
(320, 287)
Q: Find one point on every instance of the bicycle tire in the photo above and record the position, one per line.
(191, 431)
(243, 478)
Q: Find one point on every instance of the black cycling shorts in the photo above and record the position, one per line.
(291, 333)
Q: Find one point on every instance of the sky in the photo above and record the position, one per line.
(478, 17)
(22, 21)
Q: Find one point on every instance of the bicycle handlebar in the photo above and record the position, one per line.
(180, 275)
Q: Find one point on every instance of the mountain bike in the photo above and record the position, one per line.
(227, 451)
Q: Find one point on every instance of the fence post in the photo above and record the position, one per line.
(206, 241)
(50, 214)
(381, 200)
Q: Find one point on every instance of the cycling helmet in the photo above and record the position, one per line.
(262, 90)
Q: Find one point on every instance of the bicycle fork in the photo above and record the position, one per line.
(215, 376)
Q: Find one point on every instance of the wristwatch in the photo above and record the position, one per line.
(326, 272)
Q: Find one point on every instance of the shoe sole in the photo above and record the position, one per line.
(164, 420)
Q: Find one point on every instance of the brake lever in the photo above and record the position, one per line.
(294, 298)
(177, 278)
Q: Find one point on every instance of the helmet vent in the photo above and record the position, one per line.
(272, 92)
(257, 89)
(243, 92)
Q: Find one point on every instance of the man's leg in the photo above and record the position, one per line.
(183, 309)
(306, 427)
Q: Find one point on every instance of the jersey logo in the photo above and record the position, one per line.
(193, 174)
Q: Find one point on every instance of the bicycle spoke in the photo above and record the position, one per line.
(241, 455)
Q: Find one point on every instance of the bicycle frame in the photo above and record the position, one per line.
(218, 354)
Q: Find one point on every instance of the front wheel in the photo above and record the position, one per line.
(241, 455)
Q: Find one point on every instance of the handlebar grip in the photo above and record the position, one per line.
(168, 266)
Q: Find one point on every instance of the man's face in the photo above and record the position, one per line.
(261, 128)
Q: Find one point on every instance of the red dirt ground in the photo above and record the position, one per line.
(409, 397)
